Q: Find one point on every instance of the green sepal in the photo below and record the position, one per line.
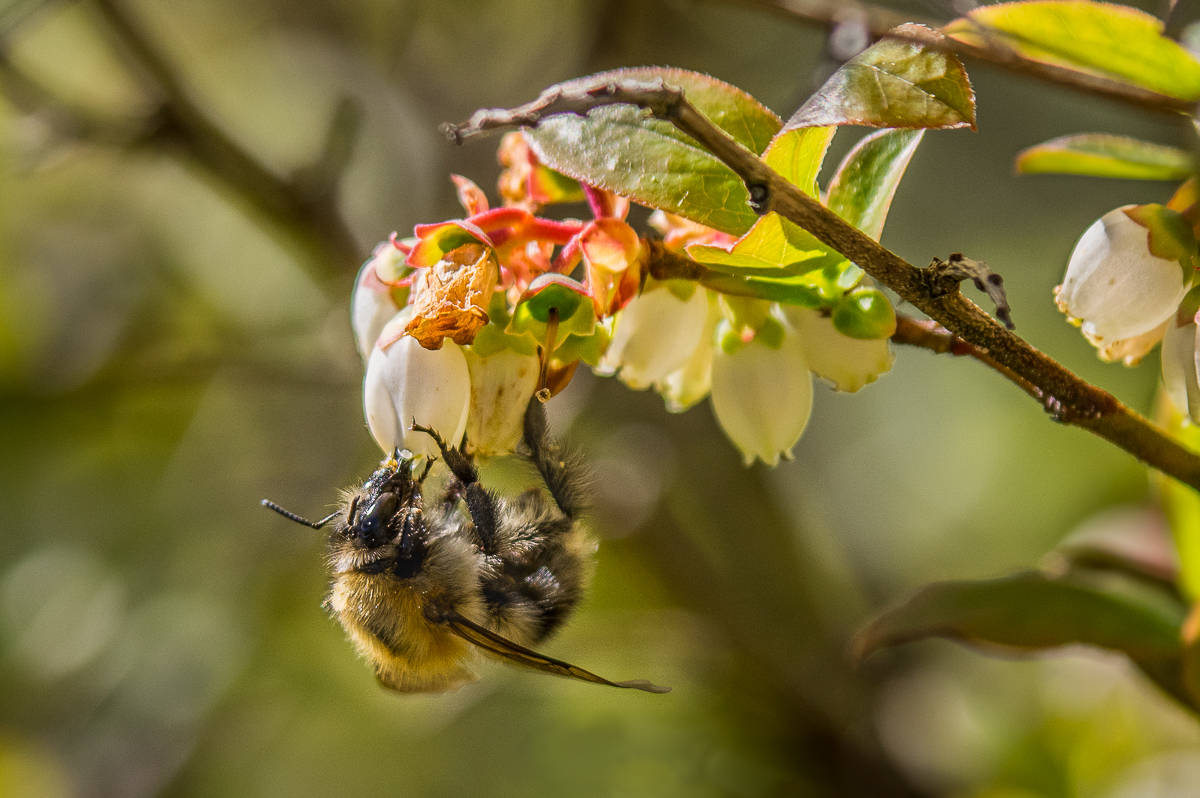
(553, 292)
(1170, 236)
(727, 338)
(588, 348)
(492, 337)
(865, 314)
(439, 239)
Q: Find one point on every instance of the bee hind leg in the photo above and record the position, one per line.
(481, 504)
(563, 473)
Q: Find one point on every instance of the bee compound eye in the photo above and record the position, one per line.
(371, 529)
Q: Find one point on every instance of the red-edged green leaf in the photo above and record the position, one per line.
(862, 189)
(1105, 155)
(1098, 38)
(897, 82)
(1032, 612)
(620, 149)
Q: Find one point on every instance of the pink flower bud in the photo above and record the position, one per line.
(406, 382)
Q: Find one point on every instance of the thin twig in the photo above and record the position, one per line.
(880, 21)
(301, 206)
(1069, 398)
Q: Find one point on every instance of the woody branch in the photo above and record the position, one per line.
(1069, 398)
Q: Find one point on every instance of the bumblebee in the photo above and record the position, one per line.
(420, 589)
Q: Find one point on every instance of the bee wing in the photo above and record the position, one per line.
(519, 655)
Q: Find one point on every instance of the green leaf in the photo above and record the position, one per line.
(1097, 38)
(897, 82)
(774, 247)
(862, 189)
(797, 155)
(1031, 611)
(1104, 155)
(784, 260)
(620, 149)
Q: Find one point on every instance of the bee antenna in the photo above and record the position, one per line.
(300, 519)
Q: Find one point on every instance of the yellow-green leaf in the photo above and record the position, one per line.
(1112, 41)
(1105, 155)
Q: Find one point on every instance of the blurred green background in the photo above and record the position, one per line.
(169, 356)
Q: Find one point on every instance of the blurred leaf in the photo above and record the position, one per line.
(1133, 540)
(1105, 155)
(797, 155)
(1191, 654)
(862, 189)
(1098, 38)
(1032, 611)
(620, 149)
(1180, 502)
(894, 83)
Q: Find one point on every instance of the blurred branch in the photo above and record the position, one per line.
(879, 21)
(745, 575)
(936, 338)
(304, 205)
(1069, 398)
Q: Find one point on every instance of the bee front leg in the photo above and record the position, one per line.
(481, 503)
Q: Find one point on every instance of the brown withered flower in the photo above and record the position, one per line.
(450, 298)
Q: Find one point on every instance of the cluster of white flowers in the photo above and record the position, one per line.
(461, 324)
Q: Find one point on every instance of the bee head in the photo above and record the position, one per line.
(387, 513)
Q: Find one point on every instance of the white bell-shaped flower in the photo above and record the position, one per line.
(1179, 364)
(501, 386)
(848, 363)
(406, 382)
(655, 335)
(688, 384)
(373, 303)
(1115, 286)
(762, 395)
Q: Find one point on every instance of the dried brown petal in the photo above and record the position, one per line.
(450, 298)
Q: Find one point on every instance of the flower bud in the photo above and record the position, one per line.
(655, 334)
(848, 363)
(501, 385)
(406, 382)
(373, 304)
(762, 395)
(1115, 286)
